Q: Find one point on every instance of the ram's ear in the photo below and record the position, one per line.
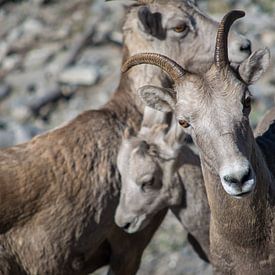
(254, 66)
(161, 99)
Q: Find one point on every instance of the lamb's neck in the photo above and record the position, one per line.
(240, 220)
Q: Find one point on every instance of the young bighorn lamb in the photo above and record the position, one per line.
(158, 172)
(60, 190)
(214, 108)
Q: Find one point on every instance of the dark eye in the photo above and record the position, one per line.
(183, 123)
(147, 184)
(180, 28)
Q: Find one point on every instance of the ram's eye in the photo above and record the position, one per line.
(247, 102)
(180, 28)
(183, 123)
(147, 184)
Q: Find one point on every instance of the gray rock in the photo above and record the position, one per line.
(116, 37)
(6, 138)
(11, 62)
(3, 50)
(20, 112)
(32, 26)
(21, 134)
(80, 75)
(5, 91)
(39, 57)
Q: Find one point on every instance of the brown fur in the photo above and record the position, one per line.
(59, 191)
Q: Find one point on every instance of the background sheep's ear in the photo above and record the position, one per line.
(161, 99)
(254, 66)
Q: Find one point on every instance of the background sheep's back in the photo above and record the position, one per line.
(59, 58)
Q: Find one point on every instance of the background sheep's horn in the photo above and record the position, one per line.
(174, 70)
(221, 51)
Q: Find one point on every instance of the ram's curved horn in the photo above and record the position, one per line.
(173, 69)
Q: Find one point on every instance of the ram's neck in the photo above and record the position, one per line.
(240, 221)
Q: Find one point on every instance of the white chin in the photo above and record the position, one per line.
(138, 224)
(239, 192)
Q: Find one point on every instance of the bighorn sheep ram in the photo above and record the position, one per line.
(60, 190)
(214, 108)
(158, 172)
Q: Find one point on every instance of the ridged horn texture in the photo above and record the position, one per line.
(221, 51)
(173, 69)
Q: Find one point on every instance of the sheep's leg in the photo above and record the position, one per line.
(127, 249)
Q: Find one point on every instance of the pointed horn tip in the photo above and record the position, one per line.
(235, 13)
(221, 55)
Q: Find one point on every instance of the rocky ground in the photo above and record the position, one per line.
(58, 58)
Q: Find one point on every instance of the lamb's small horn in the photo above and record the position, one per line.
(221, 51)
(173, 69)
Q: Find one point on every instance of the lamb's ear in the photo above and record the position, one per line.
(161, 99)
(254, 66)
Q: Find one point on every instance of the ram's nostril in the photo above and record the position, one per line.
(246, 47)
(246, 177)
(126, 226)
(238, 178)
(230, 179)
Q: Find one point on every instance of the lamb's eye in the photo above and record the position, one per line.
(183, 123)
(147, 184)
(180, 28)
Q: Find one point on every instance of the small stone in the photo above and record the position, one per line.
(79, 75)
(38, 57)
(3, 50)
(6, 138)
(11, 62)
(5, 91)
(32, 26)
(268, 38)
(116, 37)
(21, 113)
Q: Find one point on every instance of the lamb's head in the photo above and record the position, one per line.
(179, 30)
(147, 165)
(214, 108)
